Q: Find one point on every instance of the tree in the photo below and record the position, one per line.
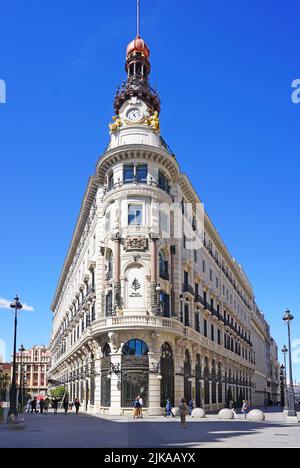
(58, 393)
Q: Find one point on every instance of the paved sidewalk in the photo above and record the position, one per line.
(85, 431)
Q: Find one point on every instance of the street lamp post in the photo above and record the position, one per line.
(21, 389)
(288, 318)
(16, 305)
(284, 352)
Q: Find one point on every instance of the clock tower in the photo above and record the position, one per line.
(136, 104)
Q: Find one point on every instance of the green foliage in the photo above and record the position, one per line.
(58, 393)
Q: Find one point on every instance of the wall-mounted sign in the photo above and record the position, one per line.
(136, 288)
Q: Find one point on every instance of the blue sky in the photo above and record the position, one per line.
(224, 70)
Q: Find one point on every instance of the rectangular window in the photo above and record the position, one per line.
(135, 215)
(212, 334)
(205, 328)
(219, 337)
(211, 275)
(186, 279)
(203, 266)
(197, 322)
(142, 173)
(164, 222)
(110, 181)
(195, 256)
(163, 182)
(128, 174)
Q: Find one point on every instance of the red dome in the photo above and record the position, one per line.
(138, 45)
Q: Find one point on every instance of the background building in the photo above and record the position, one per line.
(5, 372)
(35, 364)
(150, 302)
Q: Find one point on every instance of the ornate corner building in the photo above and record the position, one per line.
(137, 311)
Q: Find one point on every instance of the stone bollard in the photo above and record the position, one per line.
(176, 411)
(226, 414)
(256, 415)
(198, 413)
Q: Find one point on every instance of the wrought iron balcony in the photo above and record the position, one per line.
(187, 288)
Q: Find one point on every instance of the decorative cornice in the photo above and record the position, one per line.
(135, 152)
(83, 217)
(191, 196)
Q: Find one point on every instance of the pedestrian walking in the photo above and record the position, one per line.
(77, 405)
(245, 408)
(33, 405)
(28, 406)
(42, 406)
(137, 407)
(54, 404)
(184, 411)
(169, 409)
(141, 407)
(47, 401)
(66, 404)
(191, 407)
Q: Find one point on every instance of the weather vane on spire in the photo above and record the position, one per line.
(138, 22)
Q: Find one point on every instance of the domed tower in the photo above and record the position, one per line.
(136, 104)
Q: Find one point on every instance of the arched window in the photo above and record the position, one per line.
(206, 383)
(107, 223)
(163, 266)
(110, 265)
(166, 351)
(187, 376)
(135, 372)
(135, 348)
(187, 356)
(167, 374)
(106, 350)
(105, 374)
(198, 375)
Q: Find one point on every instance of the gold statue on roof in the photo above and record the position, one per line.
(153, 121)
(117, 123)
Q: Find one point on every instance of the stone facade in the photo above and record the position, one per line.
(149, 302)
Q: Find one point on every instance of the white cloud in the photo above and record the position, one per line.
(5, 304)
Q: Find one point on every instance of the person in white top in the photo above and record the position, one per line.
(245, 408)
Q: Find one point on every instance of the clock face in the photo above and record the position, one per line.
(134, 115)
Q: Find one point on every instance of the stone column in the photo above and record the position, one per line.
(210, 386)
(115, 408)
(179, 380)
(153, 252)
(153, 289)
(117, 272)
(97, 362)
(117, 258)
(154, 387)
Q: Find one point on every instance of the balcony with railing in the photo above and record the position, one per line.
(187, 288)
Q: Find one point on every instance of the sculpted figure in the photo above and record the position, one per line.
(117, 123)
(153, 121)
